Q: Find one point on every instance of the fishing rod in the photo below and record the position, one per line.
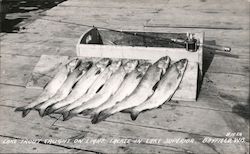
(190, 43)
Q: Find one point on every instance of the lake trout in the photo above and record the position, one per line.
(144, 90)
(52, 86)
(82, 85)
(128, 85)
(165, 90)
(66, 87)
(94, 88)
(109, 88)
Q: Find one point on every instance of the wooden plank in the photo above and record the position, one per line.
(71, 130)
(199, 20)
(180, 117)
(16, 69)
(162, 17)
(45, 70)
(233, 6)
(41, 129)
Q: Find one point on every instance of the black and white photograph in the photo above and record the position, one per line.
(124, 76)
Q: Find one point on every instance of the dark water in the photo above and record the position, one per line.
(15, 11)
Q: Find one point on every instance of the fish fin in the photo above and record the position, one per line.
(86, 112)
(134, 114)
(94, 118)
(24, 111)
(99, 88)
(37, 106)
(126, 75)
(129, 110)
(102, 116)
(155, 86)
(98, 72)
(41, 112)
(20, 109)
(139, 76)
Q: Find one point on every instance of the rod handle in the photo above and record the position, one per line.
(216, 47)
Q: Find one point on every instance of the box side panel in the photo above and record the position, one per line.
(151, 53)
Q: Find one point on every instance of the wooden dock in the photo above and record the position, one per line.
(222, 107)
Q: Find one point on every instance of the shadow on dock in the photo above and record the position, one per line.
(15, 11)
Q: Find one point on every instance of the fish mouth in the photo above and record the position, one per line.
(103, 61)
(182, 64)
(164, 62)
(85, 65)
(143, 67)
(165, 58)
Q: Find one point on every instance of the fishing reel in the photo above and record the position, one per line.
(191, 44)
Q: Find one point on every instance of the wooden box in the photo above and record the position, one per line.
(148, 46)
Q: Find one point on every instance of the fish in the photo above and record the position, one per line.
(165, 90)
(109, 88)
(94, 88)
(66, 87)
(52, 86)
(141, 93)
(82, 85)
(126, 88)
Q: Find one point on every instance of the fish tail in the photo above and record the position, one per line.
(69, 116)
(134, 114)
(93, 114)
(65, 114)
(50, 110)
(18, 109)
(94, 118)
(102, 116)
(42, 112)
(24, 110)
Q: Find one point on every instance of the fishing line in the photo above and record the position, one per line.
(168, 39)
(55, 121)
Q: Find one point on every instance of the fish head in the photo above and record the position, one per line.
(115, 65)
(163, 63)
(181, 65)
(73, 63)
(85, 65)
(130, 65)
(143, 67)
(103, 63)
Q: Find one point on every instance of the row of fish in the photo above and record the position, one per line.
(107, 87)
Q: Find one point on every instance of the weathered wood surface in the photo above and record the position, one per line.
(222, 106)
(170, 126)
